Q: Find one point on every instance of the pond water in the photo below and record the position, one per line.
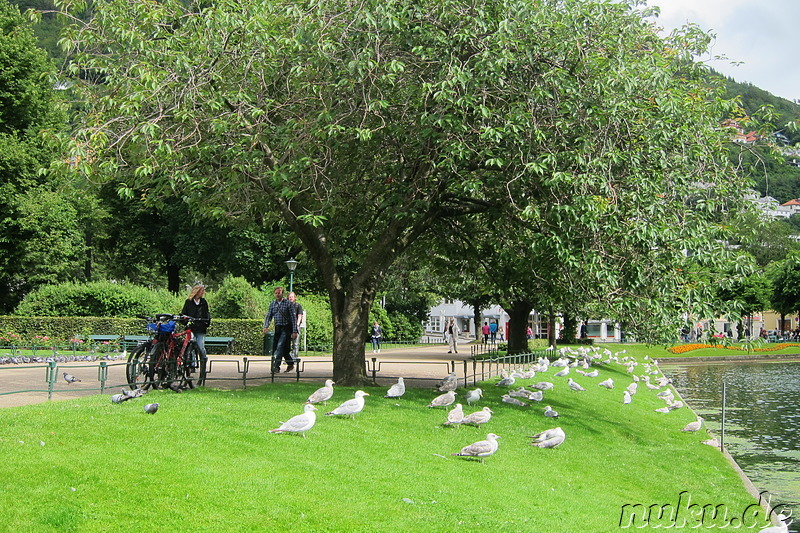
(761, 419)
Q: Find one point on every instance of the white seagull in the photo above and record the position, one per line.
(480, 449)
(513, 401)
(456, 415)
(609, 383)
(473, 396)
(694, 426)
(563, 372)
(574, 386)
(322, 394)
(351, 407)
(450, 383)
(550, 438)
(550, 413)
(543, 385)
(626, 397)
(396, 390)
(299, 423)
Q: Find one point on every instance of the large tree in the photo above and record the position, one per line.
(364, 125)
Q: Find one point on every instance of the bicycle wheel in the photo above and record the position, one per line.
(194, 369)
(158, 375)
(138, 368)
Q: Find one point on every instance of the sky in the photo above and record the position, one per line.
(761, 34)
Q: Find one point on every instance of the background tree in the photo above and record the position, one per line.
(365, 126)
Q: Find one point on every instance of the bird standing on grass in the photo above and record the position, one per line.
(299, 423)
(574, 386)
(323, 394)
(456, 415)
(450, 383)
(480, 449)
(443, 400)
(473, 396)
(151, 408)
(396, 390)
(694, 426)
(351, 407)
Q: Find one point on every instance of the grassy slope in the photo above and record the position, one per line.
(205, 462)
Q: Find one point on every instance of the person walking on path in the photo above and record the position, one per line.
(377, 334)
(197, 307)
(283, 312)
(493, 331)
(485, 330)
(301, 323)
(452, 336)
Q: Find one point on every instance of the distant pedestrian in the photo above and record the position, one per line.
(377, 334)
(493, 332)
(284, 314)
(301, 323)
(485, 330)
(529, 333)
(452, 335)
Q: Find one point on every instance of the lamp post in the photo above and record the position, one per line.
(291, 264)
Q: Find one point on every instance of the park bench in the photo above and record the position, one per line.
(130, 342)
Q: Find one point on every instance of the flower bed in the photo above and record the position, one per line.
(683, 348)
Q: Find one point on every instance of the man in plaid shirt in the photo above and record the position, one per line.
(283, 311)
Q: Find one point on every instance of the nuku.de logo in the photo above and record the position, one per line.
(685, 514)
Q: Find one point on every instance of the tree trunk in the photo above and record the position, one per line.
(350, 322)
(569, 332)
(476, 310)
(551, 330)
(173, 278)
(518, 327)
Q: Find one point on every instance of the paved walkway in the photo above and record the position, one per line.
(419, 366)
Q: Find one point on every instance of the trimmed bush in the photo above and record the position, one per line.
(235, 298)
(97, 299)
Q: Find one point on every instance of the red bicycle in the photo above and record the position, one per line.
(168, 360)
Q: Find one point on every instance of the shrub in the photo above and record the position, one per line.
(97, 299)
(406, 329)
(235, 298)
(319, 321)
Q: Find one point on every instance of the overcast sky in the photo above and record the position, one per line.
(763, 34)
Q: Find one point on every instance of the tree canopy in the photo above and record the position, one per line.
(363, 126)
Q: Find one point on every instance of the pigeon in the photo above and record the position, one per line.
(175, 387)
(548, 412)
(443, 400)
(550, 438)
(473, 396)
(299, 423)
(396, 390)
(694, 426)
(478, 417)
(151, 408)
(626, 397)
(136, 393)
(450, 383)
(69, 378)
(351, 407)
(609, 383)
(480, 449)
(323, 394)
(456, 415)
(118, 398)
(513, 401)
(574, 386)
(543, 385)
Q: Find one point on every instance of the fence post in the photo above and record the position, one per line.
(374, 368)
(474, 372)
(465, 372)
(51, 378)
(102, 375)
(245, 368)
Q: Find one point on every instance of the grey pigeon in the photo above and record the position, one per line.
(299, 423)
(151, 408)
(69, 378)
(478, 417)
(132, 393)
(450, 383)
(351, 407)
(480, 449)
(118, 398)
(443, 400)
(473, 396)
(323, 394)
(396, 390)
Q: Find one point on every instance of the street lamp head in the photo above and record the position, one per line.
(291, 264)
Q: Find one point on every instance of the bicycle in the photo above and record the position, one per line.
(168, 360)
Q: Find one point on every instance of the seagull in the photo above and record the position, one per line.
(574, 386)
(450, 383)
(593, 374)
(478, 417)
(548, 412)
(632, 388)
(351, 407)
(443, 400)
(299, 423)
(609, 383)
(662, 410)
(151, 408)
(536, 396)
(456, 415)
(675, 405)
(506, 382)
(563, 372)
(626, 398)
(543, 385)
(481, 449)
(513, 401)
(550, 438)
(69, 378)
(396, 390)
(323, 394)
(694, 426)
(473, 396)
(782, 528)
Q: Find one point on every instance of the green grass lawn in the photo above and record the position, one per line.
(206, 462)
